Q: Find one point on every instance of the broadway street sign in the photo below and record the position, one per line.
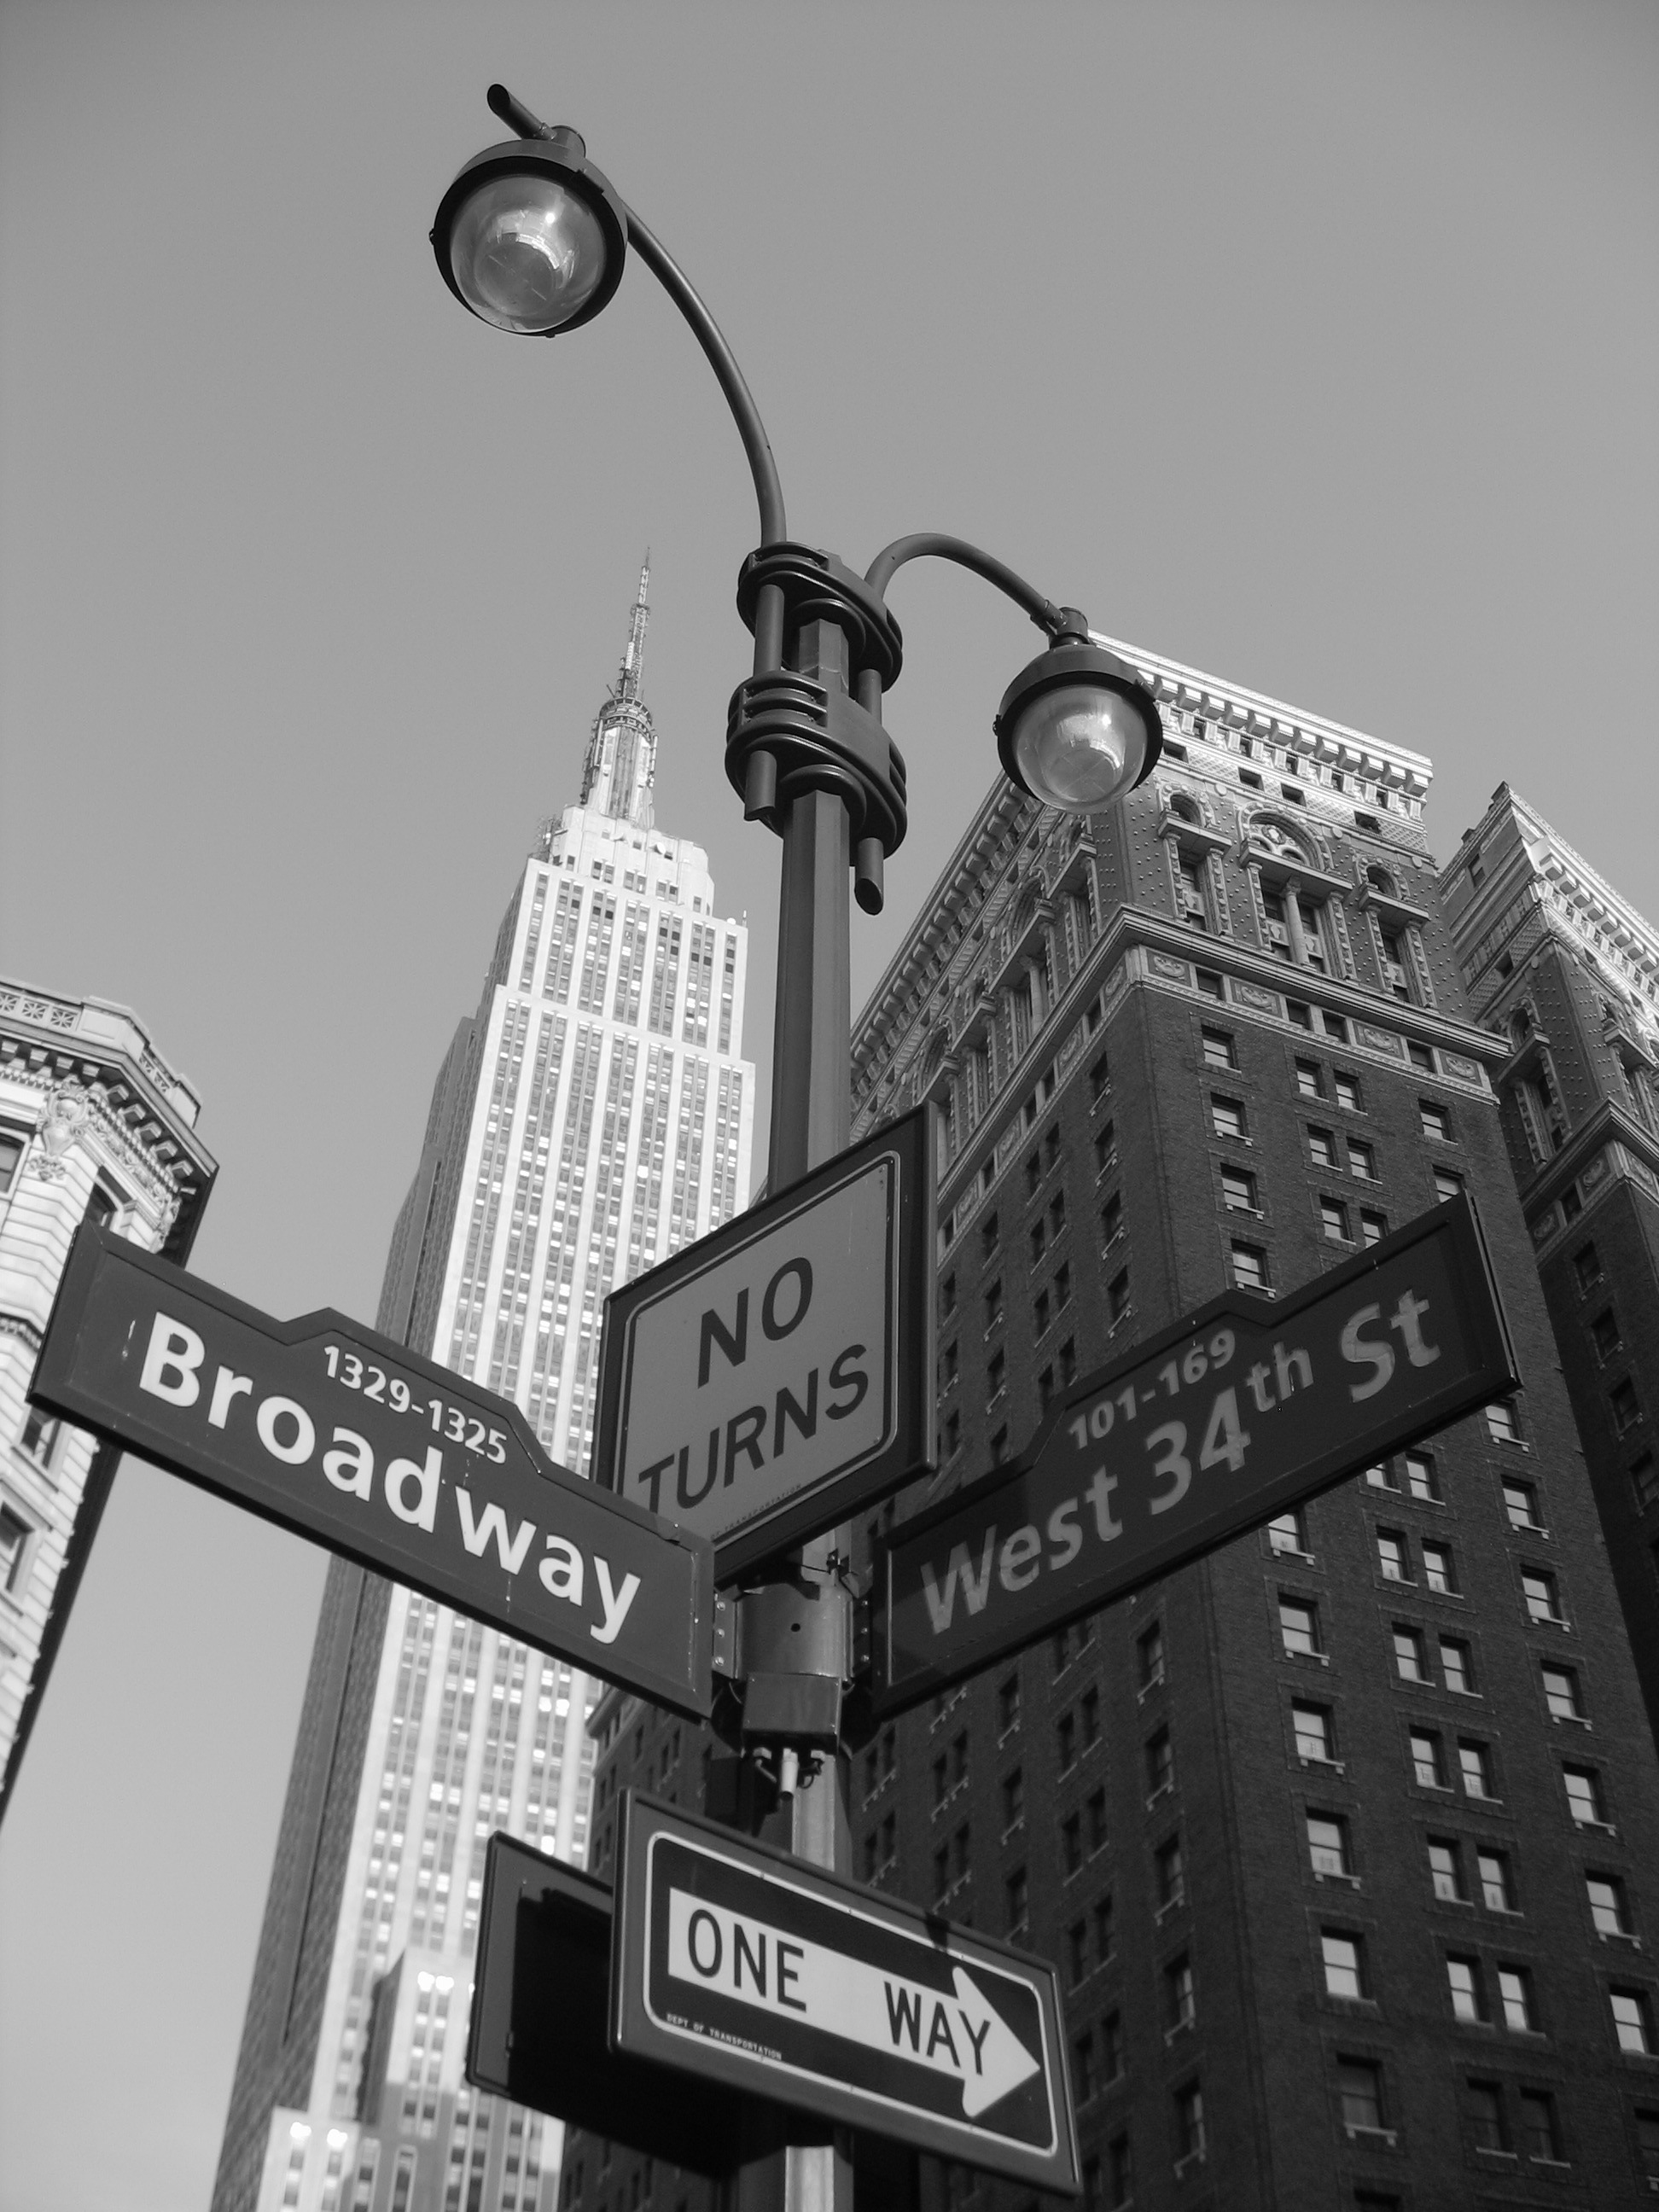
(347, 1437)
(1241, 1410)
(767, 1381)
(742, 1965)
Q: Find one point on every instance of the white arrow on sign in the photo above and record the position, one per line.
(963, 2036)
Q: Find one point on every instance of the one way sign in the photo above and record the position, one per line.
(737, 1962)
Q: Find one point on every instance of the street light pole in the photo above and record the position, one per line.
(531, 239)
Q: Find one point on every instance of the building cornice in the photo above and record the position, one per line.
(1310, 736)
(145, 1112)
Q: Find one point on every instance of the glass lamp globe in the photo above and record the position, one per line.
(527, 254)
(1078, 728)
(530, 237)
(1078, 747)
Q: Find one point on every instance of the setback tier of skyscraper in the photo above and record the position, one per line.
(1557, 961)
(593, 1116)
(1340, 1838)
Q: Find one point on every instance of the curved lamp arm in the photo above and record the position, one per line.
(768, 492)
(1052, 620)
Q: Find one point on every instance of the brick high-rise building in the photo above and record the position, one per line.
(1340, 1837)
(593, 1116)
(1568, 971)
(94, 1125)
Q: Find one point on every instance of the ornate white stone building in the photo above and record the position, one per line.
(594, 1116)
(93, 1123)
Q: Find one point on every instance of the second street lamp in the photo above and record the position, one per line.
(532, 239)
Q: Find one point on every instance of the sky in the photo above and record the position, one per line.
(1309, 342)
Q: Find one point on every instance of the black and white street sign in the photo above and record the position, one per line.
(347, 1437)
(752, 1969)
(1244, 1408)
(538, 2032)
(767, 1381)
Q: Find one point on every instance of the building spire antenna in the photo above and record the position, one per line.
(621, 769)
(627, 684)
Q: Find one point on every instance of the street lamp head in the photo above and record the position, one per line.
(1078, 728)
(531, 237)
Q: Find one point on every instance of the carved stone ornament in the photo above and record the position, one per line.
(68, 1111)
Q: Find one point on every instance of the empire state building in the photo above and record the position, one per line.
(594, 1114)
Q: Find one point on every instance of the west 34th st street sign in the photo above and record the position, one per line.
(1240, 1410)
(747, 1966)
(348, 1437)
(765, 1382)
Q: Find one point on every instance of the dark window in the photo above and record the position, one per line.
(1539, 2136)
(12, 1148)
(1189, 2122)
(1604, 1334)
(1070, 1841)
(1106, 1148)
(1149, 1646)
(1008, 1705)
(1645, 1481)
(996, 1376)
(39, 1436)
(1210, 984)
(1117, 1294)
(1179, 2006)
(1088, 1714)
(947, 1296)
(1013, 1799)
(1587, 1266)
(1487, 2130)
(1160, 1763)
(1019, 1902)
(1105, 1929)
(1100, 1076)
(1120, 2173)
(1359, 2093)
(1066, 1742)
(990, 1235)
(1172, 1874)
(1626, 1407)
(1077, 1951)
(1096, 1809)
(15, 1534)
